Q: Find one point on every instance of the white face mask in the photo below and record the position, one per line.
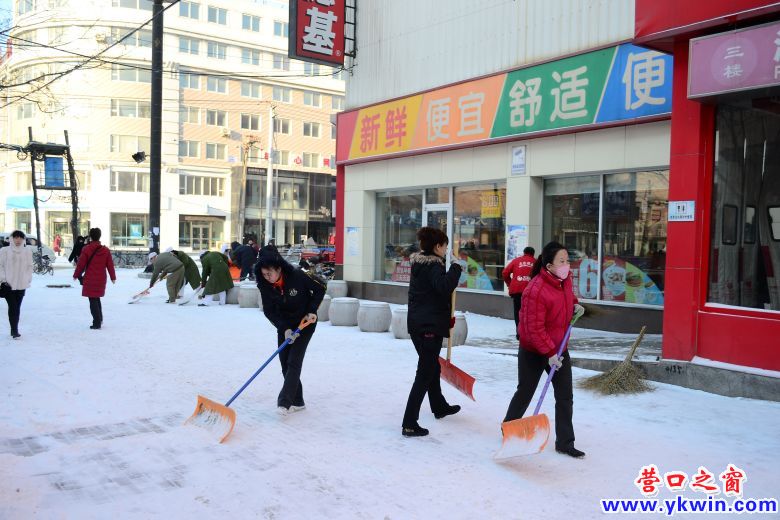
(561, 271)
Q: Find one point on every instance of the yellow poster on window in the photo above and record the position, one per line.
(491, 204)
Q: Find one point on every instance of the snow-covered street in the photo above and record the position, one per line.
(91, 424)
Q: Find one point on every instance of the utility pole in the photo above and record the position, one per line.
(269, 178)
(155, 147)
(246, 149)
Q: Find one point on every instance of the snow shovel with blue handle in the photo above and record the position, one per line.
(529, 435)
(219, 418)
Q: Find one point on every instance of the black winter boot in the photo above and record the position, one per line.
(450, 410)
(414, 431)
(571, 451)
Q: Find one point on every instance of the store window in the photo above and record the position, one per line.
(634, 237)
(632, 230)
(479, 224)
(23, 221)
(399, 216)
(744, 260)
(130, 181)
(129, 229)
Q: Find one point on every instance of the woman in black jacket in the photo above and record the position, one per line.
(288, 296)
(76, 252)
(428, 322)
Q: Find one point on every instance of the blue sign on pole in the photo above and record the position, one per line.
(54, 174)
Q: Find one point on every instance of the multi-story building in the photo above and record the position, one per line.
(226, 71)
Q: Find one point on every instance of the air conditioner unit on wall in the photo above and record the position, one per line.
(225, 131)
(100, 37)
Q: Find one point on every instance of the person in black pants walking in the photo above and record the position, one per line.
(428, 322)
(16, 267)
(288, 296)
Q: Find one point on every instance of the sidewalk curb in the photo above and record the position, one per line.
(719, 381)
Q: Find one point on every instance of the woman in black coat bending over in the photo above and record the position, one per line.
(288, 295)
(428, 322)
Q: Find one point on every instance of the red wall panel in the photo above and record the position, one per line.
(740, 340)
(657, 19)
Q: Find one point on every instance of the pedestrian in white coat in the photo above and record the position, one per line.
(16, 267)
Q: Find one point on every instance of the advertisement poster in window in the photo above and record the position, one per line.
(517, 240)
(136, 230)
(491, 204)
(625, 282)
(353, 244)
(402, 271)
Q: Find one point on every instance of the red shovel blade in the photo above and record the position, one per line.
(457, 378)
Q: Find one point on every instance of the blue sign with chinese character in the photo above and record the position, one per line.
(639, 85)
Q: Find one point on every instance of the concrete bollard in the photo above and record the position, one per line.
(337, 289)
(398, 323)
(324, 308)
(232, 296)
(343, 311)
(248, 295)
(374, 317)
(460, 331)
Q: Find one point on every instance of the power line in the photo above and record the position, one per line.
(94, 57)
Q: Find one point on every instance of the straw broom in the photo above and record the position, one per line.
(625, 378)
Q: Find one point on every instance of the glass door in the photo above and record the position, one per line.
(200, 237)
(439, 216)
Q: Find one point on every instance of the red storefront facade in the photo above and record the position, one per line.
(719, 309)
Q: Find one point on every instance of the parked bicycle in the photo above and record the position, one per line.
(129, 259)
(42, 264)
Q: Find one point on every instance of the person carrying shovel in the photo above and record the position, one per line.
(548, 306)
(289, 295)
(428, 322)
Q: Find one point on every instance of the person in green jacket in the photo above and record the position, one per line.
(215, 276)
(167, 264)
(191, 273)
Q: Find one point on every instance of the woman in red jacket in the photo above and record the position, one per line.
(94, 261)
(548, 306)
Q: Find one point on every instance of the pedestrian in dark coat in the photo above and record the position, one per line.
(191, 273)
(94, 262)
(548, 306)
(428, 322)
(245, 257)
(77, 247)
(215, 278)
(288, 296)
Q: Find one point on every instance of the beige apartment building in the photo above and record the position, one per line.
(226, 73)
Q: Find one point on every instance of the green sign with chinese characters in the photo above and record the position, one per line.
(553, 95)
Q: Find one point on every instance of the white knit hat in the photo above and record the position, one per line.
(168, 249)
(152, 255)
(203, 252)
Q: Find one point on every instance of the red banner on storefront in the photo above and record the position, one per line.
(318, 27)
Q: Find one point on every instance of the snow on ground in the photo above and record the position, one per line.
(91, 424)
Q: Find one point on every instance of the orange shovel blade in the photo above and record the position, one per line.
(214, 417)
(457, 378)
(525, 436)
